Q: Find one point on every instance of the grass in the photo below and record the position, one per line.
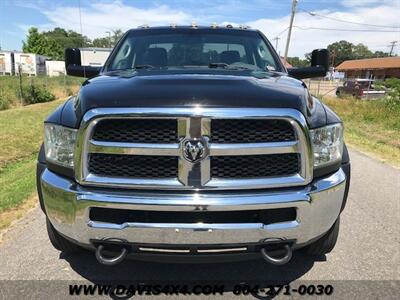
(21, 132)
(17, 182)
(60, 87)
(370, 125)
(13, 214)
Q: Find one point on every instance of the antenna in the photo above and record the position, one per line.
(80, 25)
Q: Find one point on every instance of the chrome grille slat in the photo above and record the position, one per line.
(134, 148)
(253, 148)
(195, 123)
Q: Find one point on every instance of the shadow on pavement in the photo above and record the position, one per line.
(228, 274)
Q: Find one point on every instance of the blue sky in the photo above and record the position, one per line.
(270, 16)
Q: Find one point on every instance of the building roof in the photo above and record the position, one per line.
(370, 63)
(287, 65)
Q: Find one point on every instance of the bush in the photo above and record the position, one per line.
(36, 94)
(392, 97)
(69, 91)
(4, 102)
(58, 86)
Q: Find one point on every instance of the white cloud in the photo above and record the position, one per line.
(305, 40)
(99, 17)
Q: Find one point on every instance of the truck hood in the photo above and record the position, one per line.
(220, 89)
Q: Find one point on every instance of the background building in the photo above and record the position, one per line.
(94, 56)
(7, 63)
(55, 68)
(29, 63)
(376, 68)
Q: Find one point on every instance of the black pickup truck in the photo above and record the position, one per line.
(193, 142)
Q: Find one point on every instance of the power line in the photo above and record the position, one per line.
(343, 29)
(282, 32)
(276, 39)
(346, 21)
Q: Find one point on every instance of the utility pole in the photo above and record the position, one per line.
(294, 3)
(333, 54)
(392, 44)
(276, 42)
(109, 38)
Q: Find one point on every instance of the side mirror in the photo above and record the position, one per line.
(319, 66)
(73, 65)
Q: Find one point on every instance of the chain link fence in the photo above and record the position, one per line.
(323, 88)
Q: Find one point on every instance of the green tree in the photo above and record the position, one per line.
(103, 42)
(35, 42)
(341, 51)
(298, 62)
(381, 54)
(53, 43)
(344, 50)
(361, 51)
(108, 41)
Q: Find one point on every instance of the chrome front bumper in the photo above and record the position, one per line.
(68, 205)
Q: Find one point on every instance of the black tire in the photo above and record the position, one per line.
(58, 241)
(326, 243)
(338, 94)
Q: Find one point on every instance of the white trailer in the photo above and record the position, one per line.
(6, 63)
(94, 56)
(55, 68)
(29, 63)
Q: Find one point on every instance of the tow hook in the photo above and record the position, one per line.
(277, 261)
(111, 261)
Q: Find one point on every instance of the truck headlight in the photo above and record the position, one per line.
(59, 144)
(327, 143)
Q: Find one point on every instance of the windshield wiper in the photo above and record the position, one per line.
(143, 67)
(218, 65)
(227, 66)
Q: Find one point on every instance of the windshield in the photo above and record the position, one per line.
(192, 49)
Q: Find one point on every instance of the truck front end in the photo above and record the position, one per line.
(193, 142)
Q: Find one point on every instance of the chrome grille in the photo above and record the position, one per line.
(274, 151)
(251, 131)
(136, 131)
(254, 166)
(133, 166)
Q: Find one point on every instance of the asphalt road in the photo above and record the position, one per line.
(367, 251)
